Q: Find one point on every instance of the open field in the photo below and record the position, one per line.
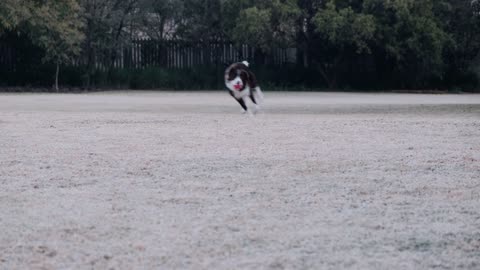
(146, 180)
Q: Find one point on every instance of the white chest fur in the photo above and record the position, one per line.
(241, 94)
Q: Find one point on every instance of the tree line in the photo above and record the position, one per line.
(341, 44)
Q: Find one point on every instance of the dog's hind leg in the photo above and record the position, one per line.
(257, 98)
(252, 97)
(254, 100)
(259, 93)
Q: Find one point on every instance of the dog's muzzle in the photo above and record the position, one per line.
(235, 84)
(238, 86)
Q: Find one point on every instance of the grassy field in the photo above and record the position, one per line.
(148, 180)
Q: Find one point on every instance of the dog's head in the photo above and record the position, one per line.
(236, 84)
(236, 76)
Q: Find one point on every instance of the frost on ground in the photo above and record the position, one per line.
(143, 180)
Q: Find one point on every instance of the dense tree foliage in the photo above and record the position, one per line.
(54, 26)
(341, 31)
(267, 24)
(347, 43)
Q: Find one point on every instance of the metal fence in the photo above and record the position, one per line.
(141, 54)
(8, 57)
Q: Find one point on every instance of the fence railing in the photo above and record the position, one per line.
(7, 57)
(141, 54)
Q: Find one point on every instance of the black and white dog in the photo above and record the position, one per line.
(242, 84)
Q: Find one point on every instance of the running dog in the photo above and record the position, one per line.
(242, 84)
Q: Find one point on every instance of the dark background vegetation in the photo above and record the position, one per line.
(338, 44)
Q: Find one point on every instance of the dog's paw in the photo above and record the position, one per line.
(249, 112)
(256, 109)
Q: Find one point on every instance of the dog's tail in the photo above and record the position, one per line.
(246, 63)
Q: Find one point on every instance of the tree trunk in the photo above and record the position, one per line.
(305, 57)
(331, 80)
(89, 52)
(56, 76)
(330, 72)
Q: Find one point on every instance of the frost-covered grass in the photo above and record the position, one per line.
(144, 180)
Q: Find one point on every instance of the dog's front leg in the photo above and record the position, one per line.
(242, 103)
(239, 100)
